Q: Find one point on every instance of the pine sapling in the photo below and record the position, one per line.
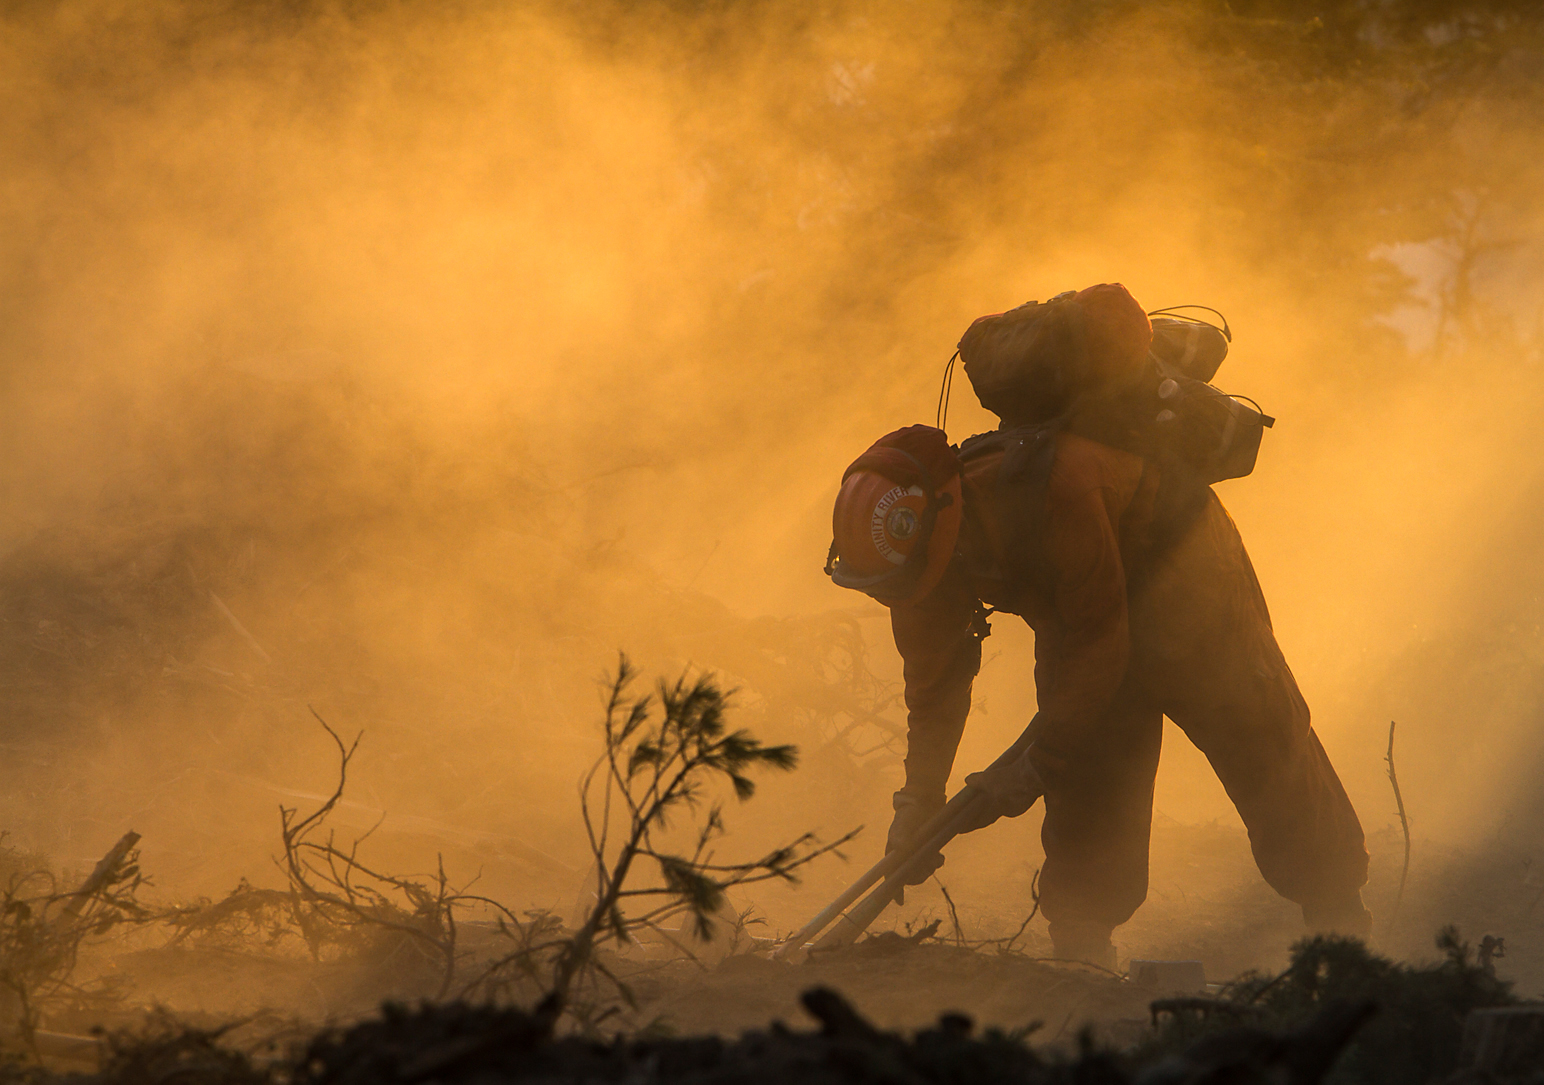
(654, 767)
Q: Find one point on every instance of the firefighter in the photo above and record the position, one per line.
(1143, 603)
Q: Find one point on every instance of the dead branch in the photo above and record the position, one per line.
(1404, 825)
(1034, 894)
(954, 915)
(42, 930)
(351, 813)
(333, 891)
(103, 874)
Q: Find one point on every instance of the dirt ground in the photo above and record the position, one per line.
(1207, 904)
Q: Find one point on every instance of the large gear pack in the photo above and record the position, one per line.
(1072, 359)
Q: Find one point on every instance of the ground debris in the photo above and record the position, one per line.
(170, 1052)
(1337, 1010)
(1414, 1013)
(455, 1043)
(451, 1043)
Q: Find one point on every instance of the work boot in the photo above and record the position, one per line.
(1342, 914)
(1083, 944)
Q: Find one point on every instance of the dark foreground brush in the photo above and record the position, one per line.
(1300, 1057)
(454, 1044)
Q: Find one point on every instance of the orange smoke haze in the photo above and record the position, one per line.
(456, 346)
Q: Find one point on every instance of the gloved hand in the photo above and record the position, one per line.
(912, 811)
(1012, 784)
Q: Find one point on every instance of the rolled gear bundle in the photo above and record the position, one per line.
(1191, 347)
(897, 516)
(1028, 364)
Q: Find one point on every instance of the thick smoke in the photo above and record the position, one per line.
(453, 347)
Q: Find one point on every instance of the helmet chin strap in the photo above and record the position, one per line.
(944, 390)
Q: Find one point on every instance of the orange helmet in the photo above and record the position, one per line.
(897, 516)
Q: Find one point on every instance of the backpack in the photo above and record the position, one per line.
(1033, 364)
(1023, 479)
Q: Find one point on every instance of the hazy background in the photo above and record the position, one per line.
(452, 347)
